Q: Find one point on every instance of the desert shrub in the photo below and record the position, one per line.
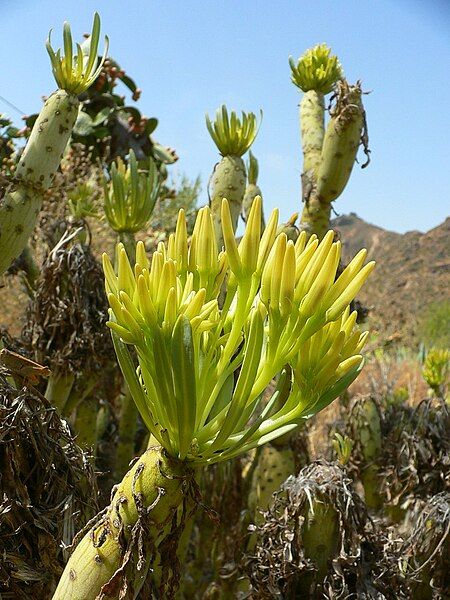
(434, 327)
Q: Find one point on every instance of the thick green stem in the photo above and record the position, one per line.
(21, 204)
(315, 216)
(123, 545)
(252, 190)
(81, 389)
(127, 433)
(228, 181)
(59, 387)
(129, 241)
(29, 271)
(366, 423)
(320, 538)
(341, 143)
(86, 424)
(312, 114)
(275, 464)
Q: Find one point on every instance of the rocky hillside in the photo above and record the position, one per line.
(413, 271)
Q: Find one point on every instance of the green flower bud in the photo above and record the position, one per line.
(317, 69)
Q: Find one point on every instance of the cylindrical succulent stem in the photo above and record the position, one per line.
(233, 136)
(341, 142)
(315, 216)
(228, 181)
(325, 181)
(40, 159)
(127, 432)
(366, 425)
(59, 387)
(86, 424)
(252, 190)
(29, 270)
(275, 464)
(129, 533)
(320, 535)
(312, 111)
(129, 241)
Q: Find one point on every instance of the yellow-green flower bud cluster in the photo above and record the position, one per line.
(232, 135)
(204, 364)
(317, 69)
(75, 74)
(130, 195)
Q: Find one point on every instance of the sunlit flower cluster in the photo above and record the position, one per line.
(317, 69)
(212, 329)
(76, 74)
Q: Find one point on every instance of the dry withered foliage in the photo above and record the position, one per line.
(416, 451)
(426, 552)
(47, 491)
(361, 565)
(66, 319)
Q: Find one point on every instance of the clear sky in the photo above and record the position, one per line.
(190, 56)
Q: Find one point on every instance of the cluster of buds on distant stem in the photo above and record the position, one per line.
(233, 137)
(328, 153)
(48, 140)
(130, 195)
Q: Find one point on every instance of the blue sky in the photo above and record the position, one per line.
(191, 56)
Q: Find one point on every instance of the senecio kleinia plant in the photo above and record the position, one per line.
(211, 330)
(315, 73)
(328, 153)
(42, 154)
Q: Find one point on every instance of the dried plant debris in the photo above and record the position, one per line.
(317, 541)
(416, 451)
(426, 552)
(47, 492)
(66, 320)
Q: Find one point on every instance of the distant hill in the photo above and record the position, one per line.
(413, 270)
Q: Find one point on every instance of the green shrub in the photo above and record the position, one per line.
(434, 327)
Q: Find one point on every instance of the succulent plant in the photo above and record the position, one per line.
(426, 552)
(328, 154)
(315, 73)
(275, 465)
(365, 426)
(45, 147)
(203, 368)
(314, 542)
(233, 136)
